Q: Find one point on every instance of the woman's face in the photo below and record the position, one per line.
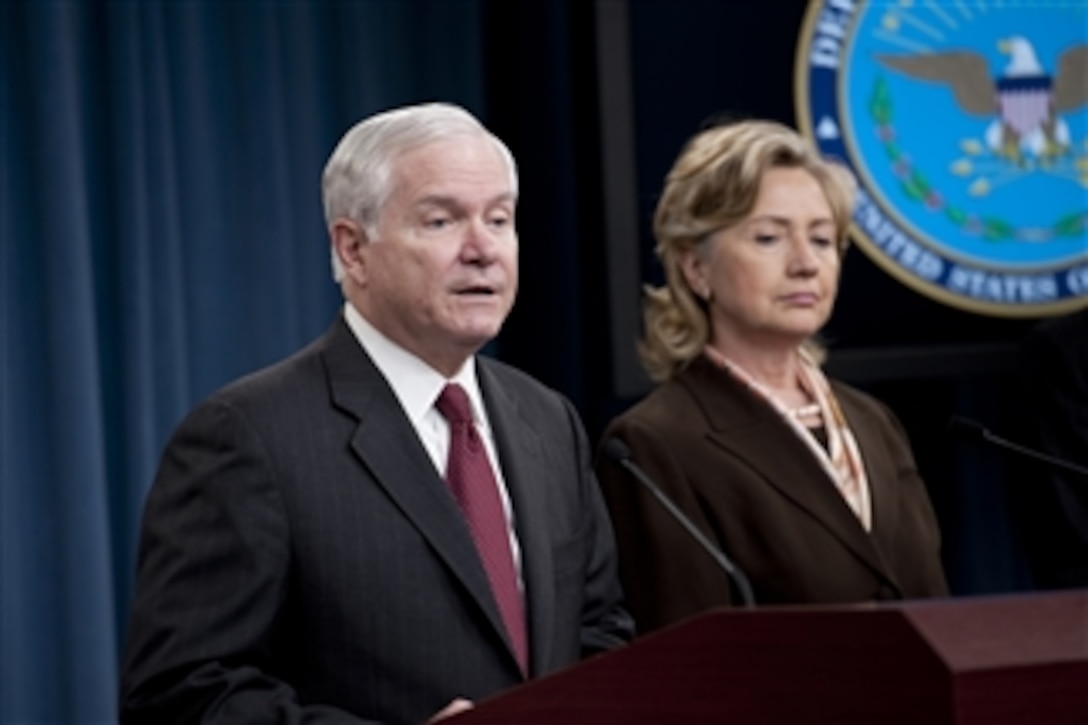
(773, 277)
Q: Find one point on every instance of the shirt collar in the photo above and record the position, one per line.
(415, 383)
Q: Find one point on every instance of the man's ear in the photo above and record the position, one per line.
(348, 240)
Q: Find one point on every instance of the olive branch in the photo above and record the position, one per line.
(917, 188)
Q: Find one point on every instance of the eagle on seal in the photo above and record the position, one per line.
(1024, 98)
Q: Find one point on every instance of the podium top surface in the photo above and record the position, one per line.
(1020, 658)
(974, 634)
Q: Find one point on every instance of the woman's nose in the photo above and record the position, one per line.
(802, 257)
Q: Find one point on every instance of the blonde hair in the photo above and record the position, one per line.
(713, 185)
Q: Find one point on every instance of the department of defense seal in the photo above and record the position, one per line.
(966, 124)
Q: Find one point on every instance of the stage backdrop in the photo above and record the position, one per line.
(161, 233)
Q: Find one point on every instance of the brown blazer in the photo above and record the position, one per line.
(729, 461)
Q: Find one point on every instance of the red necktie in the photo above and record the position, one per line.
(470, 478)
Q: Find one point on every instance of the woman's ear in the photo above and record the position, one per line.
(694, 269)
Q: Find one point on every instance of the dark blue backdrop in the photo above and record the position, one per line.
(161, 233)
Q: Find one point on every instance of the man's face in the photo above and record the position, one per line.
(441, 276)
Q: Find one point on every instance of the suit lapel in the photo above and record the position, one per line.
(519, 449)
(388, 445)
(878, 468)
(750, 430)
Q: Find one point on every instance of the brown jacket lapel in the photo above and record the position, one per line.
(747, 428)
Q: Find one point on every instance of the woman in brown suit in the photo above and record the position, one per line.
(807, 484)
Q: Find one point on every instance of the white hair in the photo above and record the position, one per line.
(357, 178)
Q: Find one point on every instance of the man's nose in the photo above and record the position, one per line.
(480, 242)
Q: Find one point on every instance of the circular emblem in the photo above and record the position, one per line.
(966, 125)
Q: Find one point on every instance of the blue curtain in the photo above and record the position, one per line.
(161, 233)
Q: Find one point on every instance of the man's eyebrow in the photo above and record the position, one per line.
(452, 202)
(437, 200)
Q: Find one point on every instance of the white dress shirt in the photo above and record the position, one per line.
(417, 386)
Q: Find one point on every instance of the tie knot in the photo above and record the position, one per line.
(453, 404)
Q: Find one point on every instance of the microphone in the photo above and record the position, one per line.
(968, 429)
(620, 454)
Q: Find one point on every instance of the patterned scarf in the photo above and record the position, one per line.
(841, 459)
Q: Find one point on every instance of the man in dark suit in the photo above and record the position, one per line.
(1051, 505)
(302, 557)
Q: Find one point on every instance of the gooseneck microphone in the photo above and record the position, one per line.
(969, 430)
(619, 453)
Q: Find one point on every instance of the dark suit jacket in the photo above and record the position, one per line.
(729, 461)
(1051, 505)
(302, 560)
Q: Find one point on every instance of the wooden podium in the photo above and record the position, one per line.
(1009, 659)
